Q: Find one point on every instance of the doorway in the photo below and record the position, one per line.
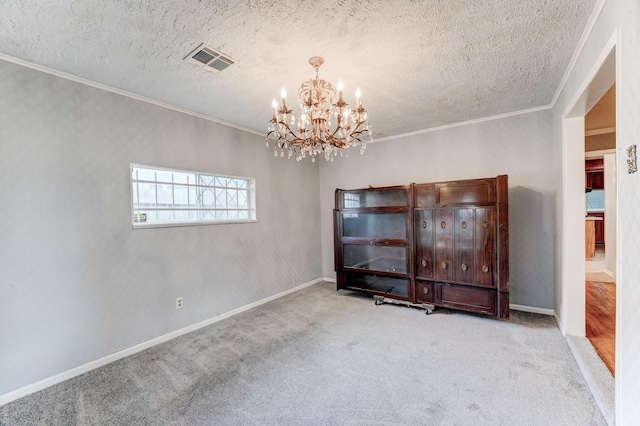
(600, 227)
(572, 292)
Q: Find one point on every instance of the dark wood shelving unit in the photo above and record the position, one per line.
(443, 243)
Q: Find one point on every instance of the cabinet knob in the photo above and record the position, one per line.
(444, 265)
(443, 224)
(485, 269)
(485, 225)
(424, 263)
(425, 289)
(464, 266)
(424, 224)
(464, 225)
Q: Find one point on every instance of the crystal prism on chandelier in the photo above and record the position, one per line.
(311, 133)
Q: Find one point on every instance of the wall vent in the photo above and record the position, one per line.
(209, 58)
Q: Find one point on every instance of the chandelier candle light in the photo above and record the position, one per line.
(314, 135)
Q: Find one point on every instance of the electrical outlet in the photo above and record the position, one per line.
(179, 302)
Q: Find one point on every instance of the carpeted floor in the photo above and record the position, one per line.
(321, 357)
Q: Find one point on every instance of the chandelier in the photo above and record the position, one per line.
(311, 133)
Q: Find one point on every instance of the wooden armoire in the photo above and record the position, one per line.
(441, 243)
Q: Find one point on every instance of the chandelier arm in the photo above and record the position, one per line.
(338, 142)
(284, 123)
(342, 143)
(290, 132)
(356, 136)
(357, 131)
(296, 141)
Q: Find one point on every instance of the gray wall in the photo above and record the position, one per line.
(518, 146)
(76, 282)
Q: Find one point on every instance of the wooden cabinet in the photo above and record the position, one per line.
(464, 226)
(594, 170)
(455, 242)
(595, 180)
(594, 165)
(589, 239)
(599, 227)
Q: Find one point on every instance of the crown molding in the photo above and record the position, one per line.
(581, 44)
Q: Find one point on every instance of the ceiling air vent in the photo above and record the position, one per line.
(209, 58)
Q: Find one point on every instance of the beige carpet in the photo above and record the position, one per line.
(321, 357)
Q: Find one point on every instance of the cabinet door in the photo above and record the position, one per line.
(425, 292)
(374, 257)
(596, 164)
(467, 298)
(375, 284)
(599, 225)
(444, 244)
(598, 180)
(424, 195)
(381, 226)
(485, 253)
(595, 180)
(423, 231)
(463, 245)
(367, 198)
(470, 192)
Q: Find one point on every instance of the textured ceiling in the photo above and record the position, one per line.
(419, 64)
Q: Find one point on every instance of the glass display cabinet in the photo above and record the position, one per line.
(444, 244)
(372, 240)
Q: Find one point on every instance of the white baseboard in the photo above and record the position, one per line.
(66, 375)
(558, 323)
(532, 309)
(331, 280)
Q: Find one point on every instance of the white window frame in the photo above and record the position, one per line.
(199, 208)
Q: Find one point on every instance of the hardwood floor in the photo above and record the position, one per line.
(601, 320)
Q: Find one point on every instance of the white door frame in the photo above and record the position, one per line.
(597, 82)
(604, 72)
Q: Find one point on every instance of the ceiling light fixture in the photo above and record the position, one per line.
(314, 135)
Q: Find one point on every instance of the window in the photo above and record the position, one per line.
(164, 197)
